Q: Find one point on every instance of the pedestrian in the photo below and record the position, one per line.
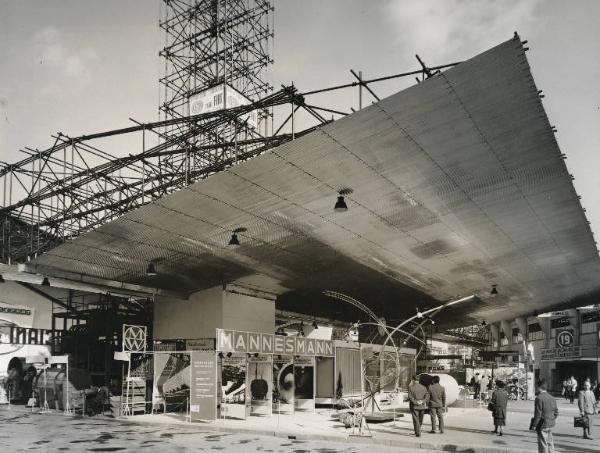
(572, 389)
(565, 389)
(477, 386)
(418, 398)
(437, 404)
(596, 390)
(544, 418)
(587, 408)
(499, 404)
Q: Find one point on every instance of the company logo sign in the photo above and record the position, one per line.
(263, 343)
(134, 338)
(564, 339)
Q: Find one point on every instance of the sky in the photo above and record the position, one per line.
(81, 66)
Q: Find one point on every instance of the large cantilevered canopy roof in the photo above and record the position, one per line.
(458, 184)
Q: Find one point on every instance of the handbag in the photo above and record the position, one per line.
(580, 422)
(533, 427)
(491, 407)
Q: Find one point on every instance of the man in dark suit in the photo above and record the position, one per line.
(418, 398)
(437, 403)
(544, 418)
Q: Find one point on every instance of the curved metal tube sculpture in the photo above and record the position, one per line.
(383, 327)
(427, 313)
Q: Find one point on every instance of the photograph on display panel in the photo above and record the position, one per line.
(304, 379)
(283, 384)
(260, 385)
(172, 380)
(233, 387)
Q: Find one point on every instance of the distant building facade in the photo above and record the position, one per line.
(554, 346)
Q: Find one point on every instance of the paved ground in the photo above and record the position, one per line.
(468, 430)
(22, 431)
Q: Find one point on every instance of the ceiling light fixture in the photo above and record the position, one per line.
(234, 237)
(340, 204)
(45, 282)
(494, 290)
(151, 269)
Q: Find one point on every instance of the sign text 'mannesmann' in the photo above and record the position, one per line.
(264, 343)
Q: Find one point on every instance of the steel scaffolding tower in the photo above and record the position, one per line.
(217, 54)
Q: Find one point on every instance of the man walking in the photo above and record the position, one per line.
(477, 386)
(418, 398)
(544, 418)
(437, 403)
(572, 389)
(587, 408)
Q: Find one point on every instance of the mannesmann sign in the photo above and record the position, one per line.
(265, 343)
(549, 355)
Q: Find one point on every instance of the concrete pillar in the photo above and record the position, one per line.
(505, 326)
(215, 308)
(495, 334)
(522, 325)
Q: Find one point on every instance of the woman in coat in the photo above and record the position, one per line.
(587, 408)
(499, 402)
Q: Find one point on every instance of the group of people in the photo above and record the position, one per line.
(569, 389)
(545, 412)
(480, 383)
(432, 399)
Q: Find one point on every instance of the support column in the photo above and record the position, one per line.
(495, 334)
(505, 326)
(522, 325)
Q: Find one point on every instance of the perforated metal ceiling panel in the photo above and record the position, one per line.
(458, 184)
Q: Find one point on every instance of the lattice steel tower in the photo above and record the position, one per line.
(217, 55)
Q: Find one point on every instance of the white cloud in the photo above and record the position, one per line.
(66, 66)
(442, 29)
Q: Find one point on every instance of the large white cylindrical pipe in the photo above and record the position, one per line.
(447, 381)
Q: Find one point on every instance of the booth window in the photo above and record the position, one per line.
(535, 332)
(589, 321)
(517, 337)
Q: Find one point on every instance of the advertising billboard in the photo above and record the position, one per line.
(221, 97)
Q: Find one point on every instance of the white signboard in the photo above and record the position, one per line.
(218, 98)
(58, 359)
(19, 315)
